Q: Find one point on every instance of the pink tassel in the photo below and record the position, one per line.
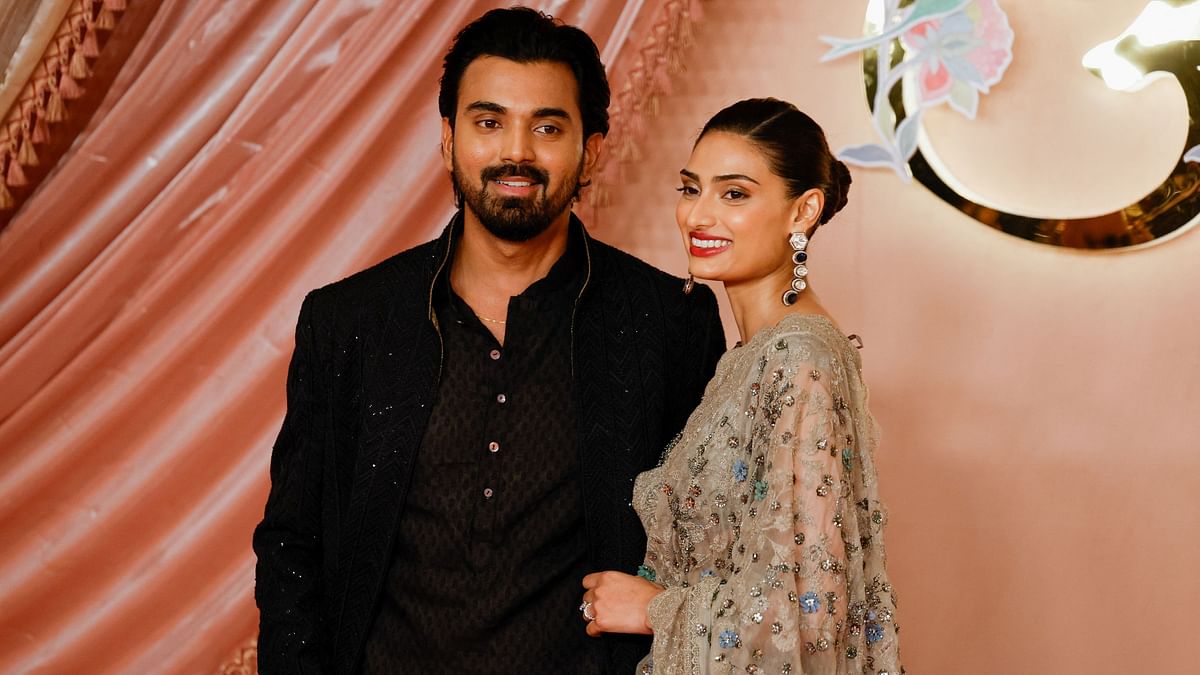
(55, 110)
(69, 87)
(90, 47)
(41, 132)
(106, 20)
(6, 198)
(16, 176)
(79, 67)
(25, 153)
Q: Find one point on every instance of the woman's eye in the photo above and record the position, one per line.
(687, 190)
(734, 194)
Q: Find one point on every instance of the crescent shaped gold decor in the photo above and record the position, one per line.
(921, 53)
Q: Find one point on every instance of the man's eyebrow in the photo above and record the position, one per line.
(552, 112)
(487, 106)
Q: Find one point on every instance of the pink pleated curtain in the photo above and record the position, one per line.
(247, 152)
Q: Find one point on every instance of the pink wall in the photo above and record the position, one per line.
(1039, 405)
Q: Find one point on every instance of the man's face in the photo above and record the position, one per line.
(517, 152)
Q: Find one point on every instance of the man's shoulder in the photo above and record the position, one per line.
(402, 277)
(635, 274)
(614, 262)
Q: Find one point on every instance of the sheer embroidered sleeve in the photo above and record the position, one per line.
(767, 528)
(808, 592)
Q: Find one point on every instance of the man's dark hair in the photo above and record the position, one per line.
(527, 36)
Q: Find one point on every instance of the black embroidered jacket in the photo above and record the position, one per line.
(360, 388)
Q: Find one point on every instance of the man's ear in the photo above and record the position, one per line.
(591, 153)
(447, 144)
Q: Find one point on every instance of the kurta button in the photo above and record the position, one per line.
(495, 354)
(494, 446)
(501, 398)
(487, 493)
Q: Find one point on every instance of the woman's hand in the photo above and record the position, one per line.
(619, 602)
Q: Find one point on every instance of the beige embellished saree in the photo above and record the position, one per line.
(764, 523)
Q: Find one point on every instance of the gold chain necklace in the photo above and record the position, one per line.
(490, 320)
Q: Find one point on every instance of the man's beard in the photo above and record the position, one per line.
(516, 219)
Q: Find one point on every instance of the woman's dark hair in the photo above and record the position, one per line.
(526, 36)
(794, 145)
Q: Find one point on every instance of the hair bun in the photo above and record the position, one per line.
(839, 189)
(843, 182)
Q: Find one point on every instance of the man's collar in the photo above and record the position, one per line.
(575, 263)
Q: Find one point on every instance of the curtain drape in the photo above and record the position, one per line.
(247, 152)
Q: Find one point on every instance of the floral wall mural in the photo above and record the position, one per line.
(921, 54)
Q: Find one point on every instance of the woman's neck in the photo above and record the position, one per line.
(758, 304)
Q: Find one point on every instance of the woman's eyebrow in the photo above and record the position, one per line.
(719, 179)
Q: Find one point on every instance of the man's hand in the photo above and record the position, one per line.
(619, 602)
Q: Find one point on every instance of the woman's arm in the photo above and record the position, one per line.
(619, 602)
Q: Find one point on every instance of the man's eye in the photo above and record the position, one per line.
(548, 129)
(488, 124)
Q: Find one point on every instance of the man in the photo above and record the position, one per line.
(466, 419)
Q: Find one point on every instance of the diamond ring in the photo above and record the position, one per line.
(586, 608)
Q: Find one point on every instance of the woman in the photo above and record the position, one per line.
(764, 525)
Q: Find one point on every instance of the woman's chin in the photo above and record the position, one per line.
(707, 272)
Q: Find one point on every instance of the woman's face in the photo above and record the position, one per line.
(735, 214)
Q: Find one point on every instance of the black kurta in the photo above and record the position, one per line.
(490, 552)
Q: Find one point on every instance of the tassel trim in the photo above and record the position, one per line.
(106, 20)
(15, 176)
(26, 155)
(90, 46)
(660, 56)
(43, 101)
(68, 87)
(56, 111)
(79, 65)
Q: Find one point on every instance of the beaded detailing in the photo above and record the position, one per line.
(763, 521)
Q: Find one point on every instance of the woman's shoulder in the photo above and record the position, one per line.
(803, 338)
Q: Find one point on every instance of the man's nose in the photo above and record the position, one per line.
(517, 147)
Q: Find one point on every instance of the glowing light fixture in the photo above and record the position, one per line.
(1120, 61)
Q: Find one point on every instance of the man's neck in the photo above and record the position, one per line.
(487, 270)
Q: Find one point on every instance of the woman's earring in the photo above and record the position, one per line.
(798, 241)
(689, 284)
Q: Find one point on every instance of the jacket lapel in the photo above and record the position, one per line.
(401, 368)
(611, 402)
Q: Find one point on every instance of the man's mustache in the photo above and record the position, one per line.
(506, 171)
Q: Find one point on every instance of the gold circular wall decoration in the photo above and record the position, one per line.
(1163, 41)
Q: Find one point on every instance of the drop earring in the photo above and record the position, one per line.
(689, 284)
(798, 242)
